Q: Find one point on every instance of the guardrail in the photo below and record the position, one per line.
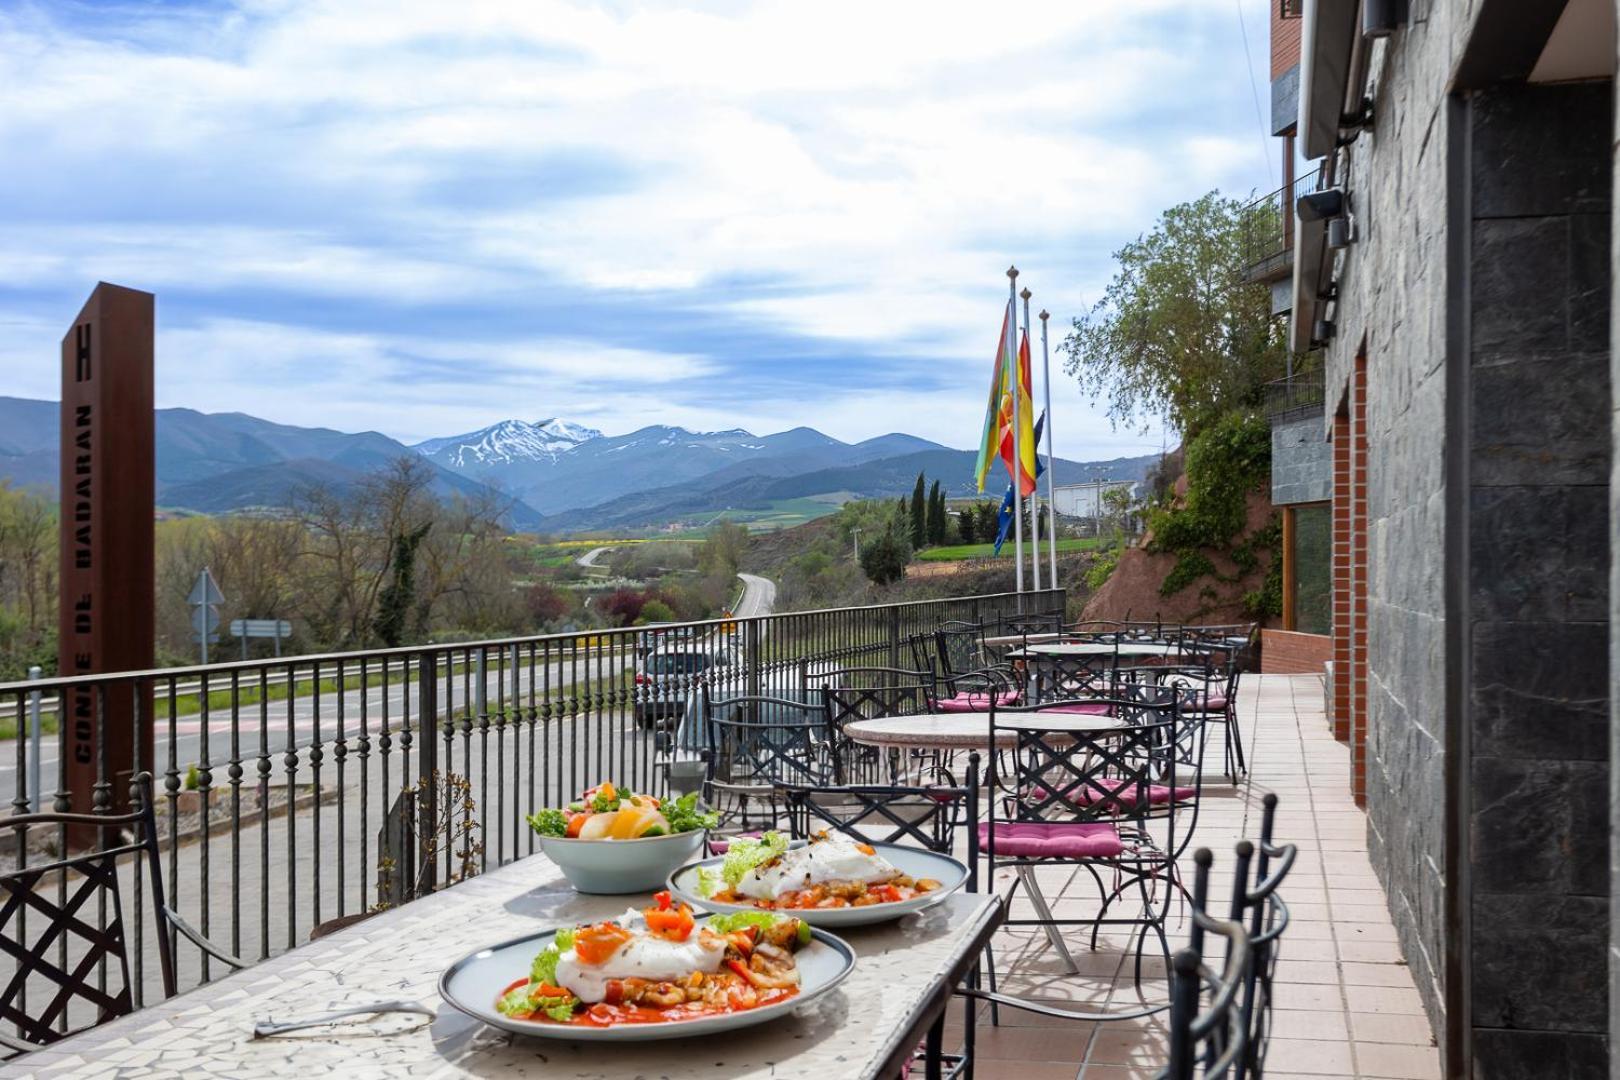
(1296, 397)
(1267, 230)
(311, 788)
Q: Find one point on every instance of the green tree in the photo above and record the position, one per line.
(919, 514)
(884, 558)
(398, 596)
(722, 550)
(989, 515)
(936, 515)
(1179, 336)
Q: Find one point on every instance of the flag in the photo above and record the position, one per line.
(990, 440)
(1027, 471)
(1004, 518)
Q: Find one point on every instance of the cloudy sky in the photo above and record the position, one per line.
(423, 217)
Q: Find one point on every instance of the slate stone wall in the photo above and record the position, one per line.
(1301, 463)
(1392, 303)
(1540, 455)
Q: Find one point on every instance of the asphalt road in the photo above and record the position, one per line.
(294, 723)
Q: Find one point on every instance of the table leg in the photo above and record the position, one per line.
(1054, 934)
(933, 1066)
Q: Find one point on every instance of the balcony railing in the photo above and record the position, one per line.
(289, 791)
(1268, 231)
(1294, 398)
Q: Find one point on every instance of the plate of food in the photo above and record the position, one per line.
(658, 973)
(834, 880)
(614, 840)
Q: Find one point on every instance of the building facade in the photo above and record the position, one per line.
(1448, 280)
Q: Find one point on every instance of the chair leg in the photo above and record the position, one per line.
(1237, 739)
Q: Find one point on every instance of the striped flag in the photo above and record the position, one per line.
(990, 440)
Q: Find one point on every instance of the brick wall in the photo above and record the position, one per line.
(1341, 574)
(1358, 580)
(1284, 41)
(1288, 652)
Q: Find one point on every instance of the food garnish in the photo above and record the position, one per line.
(608, 812)
(657, 965)
(829, 872)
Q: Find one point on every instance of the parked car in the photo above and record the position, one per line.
(668, 677)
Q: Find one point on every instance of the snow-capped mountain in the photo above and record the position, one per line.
(506, 443)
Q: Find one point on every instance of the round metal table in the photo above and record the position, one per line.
(964, 730)
(1096, 648)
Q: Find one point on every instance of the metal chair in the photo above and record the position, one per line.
(752, 742)
(1265, 916)
(927, 817)
(91, 969)
(862, 693)
(1090, 799)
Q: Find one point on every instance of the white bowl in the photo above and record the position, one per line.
(622, 866)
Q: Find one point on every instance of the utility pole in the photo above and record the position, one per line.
(857, 533)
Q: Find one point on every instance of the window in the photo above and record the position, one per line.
(1308, 568)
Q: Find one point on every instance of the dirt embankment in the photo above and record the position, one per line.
(1132, 590)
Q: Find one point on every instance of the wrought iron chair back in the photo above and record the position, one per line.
(959, 648)
(85, 926)
(863, 693)
(1210, 1043)
(752, 741)
(1071, 677)
(1265, 916)
(926, 817)
(1060, 771)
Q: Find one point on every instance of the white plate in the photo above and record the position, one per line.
(474, 983)
(917, 862)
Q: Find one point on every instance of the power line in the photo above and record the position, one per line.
(1254, 90)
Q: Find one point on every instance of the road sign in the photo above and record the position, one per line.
(205, 619)
(275, 629)
(205, 591)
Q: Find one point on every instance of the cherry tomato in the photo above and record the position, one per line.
(576, 823)
(673, 924)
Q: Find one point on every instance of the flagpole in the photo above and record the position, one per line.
(1017, 488)
(1051, 501)
(1034, 496)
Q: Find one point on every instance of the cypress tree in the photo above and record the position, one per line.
(936, 514)
(919, 514)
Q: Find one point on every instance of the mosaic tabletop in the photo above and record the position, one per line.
(903, 969)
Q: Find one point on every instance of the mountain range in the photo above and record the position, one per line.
(556, 475)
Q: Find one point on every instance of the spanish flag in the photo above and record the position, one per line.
(990, 440)
(1026, 468)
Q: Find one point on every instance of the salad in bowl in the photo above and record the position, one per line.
(657, 965)
(613, 840)
(833, 880)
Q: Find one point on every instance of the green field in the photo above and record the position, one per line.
(988, 551)
(780, 514)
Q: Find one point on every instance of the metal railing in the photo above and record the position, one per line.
(1267, 236)
(1296, 397)
(298, 790)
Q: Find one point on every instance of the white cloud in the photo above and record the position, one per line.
(876, 165)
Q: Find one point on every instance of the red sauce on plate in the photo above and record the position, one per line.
(604, 1015)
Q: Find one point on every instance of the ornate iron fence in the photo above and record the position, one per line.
(300, 790)
(1268, 230)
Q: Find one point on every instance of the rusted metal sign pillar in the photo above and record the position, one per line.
(105, 619)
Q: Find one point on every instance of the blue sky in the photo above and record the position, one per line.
(421, 217)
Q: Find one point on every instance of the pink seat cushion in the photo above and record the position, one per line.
(1125, 795)
(977, 701)
(1053, 839)
(1214, 703)
(1085, 708)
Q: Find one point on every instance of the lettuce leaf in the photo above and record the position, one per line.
(738, 920)
(683, 814)
(549, 823)
(544, 968)
(745, 854)
(521, 1002)
(708, 882)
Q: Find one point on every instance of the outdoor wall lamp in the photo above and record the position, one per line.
(1321, 205)
(1340, 232)
(1381, 18)
(1322, 331)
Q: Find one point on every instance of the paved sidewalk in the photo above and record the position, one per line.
(1346, 1005)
